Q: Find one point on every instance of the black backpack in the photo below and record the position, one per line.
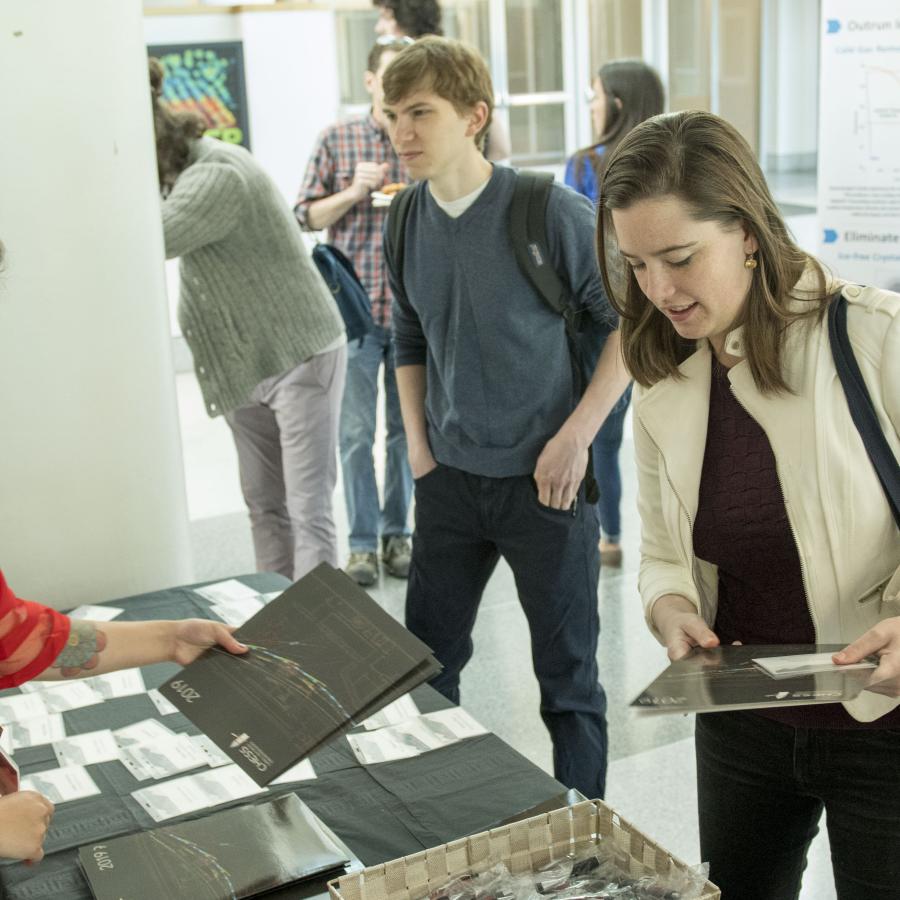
(528, 234)
(343, 282)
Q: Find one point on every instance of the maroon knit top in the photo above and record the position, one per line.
(742, 527)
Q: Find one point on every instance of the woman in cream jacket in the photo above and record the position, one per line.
(763, 521)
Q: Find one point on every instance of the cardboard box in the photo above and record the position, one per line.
(522, 847)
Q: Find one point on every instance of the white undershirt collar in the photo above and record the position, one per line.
(455, 208)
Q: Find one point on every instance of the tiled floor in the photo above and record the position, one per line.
(651, 777)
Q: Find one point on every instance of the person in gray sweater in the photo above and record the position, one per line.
(497, 433)
(267, 338)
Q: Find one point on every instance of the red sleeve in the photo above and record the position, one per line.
(31, 637)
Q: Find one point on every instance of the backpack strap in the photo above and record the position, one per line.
(862, 411)
(528, 233)
(398, 213)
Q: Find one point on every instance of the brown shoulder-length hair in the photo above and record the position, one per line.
(703, 161)
(174, 132)
(634, 92)
(451, 69)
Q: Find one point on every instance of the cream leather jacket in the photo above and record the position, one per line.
(848, 543)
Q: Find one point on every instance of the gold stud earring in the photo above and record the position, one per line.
(750, 262)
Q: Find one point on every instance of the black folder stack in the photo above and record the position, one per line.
(236, 853)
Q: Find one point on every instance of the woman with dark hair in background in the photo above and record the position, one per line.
(267, 339)
(625, 93)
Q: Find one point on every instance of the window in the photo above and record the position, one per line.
(355, 36)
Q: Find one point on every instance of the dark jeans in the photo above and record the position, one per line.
(464, 524)
(606, 469)
(762, 787)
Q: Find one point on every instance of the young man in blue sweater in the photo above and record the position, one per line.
(497, 435)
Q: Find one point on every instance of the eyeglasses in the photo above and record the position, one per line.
(388, 40)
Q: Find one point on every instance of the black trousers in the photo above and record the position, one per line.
(762, 786)
(464, 524)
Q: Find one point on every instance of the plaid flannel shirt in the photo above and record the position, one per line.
(359, 234)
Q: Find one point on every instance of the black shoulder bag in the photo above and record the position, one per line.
(861, 409)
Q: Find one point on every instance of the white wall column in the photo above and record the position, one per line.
(92, 501)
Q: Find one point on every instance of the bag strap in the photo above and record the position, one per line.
(398, 213)
(527, 229)
(528, 232)
(862, 410)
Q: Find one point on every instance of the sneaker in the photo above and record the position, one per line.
(610, 554)
(363, 568)
(396, 554)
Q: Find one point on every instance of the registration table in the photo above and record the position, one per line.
(380, 811)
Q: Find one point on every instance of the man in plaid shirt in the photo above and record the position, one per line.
(350, 160)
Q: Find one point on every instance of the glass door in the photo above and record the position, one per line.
(689, 54)
(537, 54)
(737, 69)
(613, 30)
(532, 87)
(714, 60)
(470, 21)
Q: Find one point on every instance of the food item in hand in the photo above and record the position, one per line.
(393, 188)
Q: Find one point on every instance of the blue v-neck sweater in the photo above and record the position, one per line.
(499, 379)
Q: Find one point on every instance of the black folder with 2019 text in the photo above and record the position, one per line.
(323, 656)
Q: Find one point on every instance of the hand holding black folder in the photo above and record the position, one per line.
(323, 657)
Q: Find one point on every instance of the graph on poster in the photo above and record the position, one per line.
(858, 169)
(878, 118)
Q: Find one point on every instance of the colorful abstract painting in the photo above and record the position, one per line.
(207, 78)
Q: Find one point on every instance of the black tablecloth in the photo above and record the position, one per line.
(381, 811)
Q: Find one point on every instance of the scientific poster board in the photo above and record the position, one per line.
(207, 78)
(859, 140)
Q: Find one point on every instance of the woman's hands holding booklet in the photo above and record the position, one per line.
(884, 641)
(190, 637)
(680, 627)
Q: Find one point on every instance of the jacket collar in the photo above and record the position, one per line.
(734, 342)
(675, 412)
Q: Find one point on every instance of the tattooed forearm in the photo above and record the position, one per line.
(82, 650)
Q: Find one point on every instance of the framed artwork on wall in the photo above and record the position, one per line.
(207, 78)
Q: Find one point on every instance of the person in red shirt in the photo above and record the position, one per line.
(37, 642)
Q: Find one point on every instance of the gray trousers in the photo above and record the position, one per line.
(286, 440)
